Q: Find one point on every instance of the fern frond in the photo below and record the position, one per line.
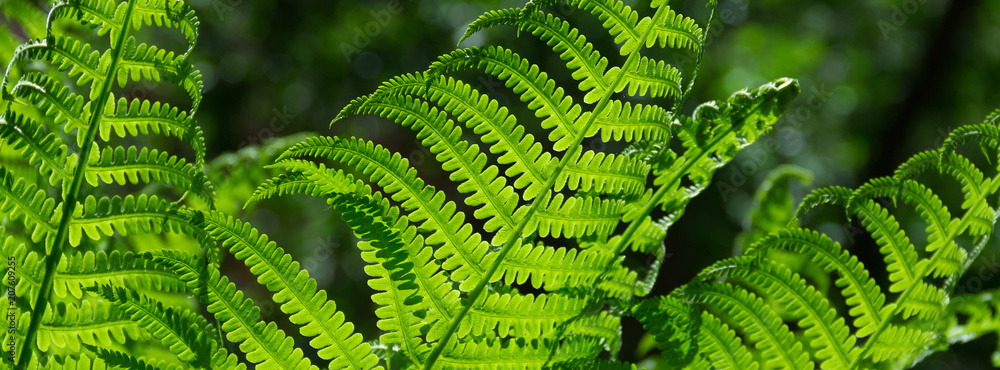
(529, 319)
(64, 107)
(84, 270)
(294, 290)
(145, 62)
(690, 338)
(460, 247)
(181, 331)
(129, 215)
(651, 78)
(121, 166)
(833, 195)
(553, 268)
(619, 19)
(449, 294)
(625, 121)
(674, 31)
(103, 14)
(861, 293)
(529, 163)
(264, 344)
(140, 117)
(496, 200)
(70, 325)
(900, 341)
(605, 174)
(899, 253)
(717, 131)
(894, 332)
(574, 217)
(37, 146)
(174, 14)
(772, 338)
(284, 184)
(67, 55)
(825, 331)
(25, 202)
(586, 63)
(385, 245)
(649, 235)
(548, 101)
(57, 107)
(120, 360)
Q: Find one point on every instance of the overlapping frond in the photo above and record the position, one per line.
(452, 290)
(496, 201)
(186, 334)
(294, 290)
(264, 344)
(25, 203)
(70, 325)
(586, 63)
(40, 148)
(876, 330)
(132, 166)
(118, 359)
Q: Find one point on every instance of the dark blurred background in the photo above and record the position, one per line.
(881, 80)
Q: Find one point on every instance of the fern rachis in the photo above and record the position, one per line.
(425, 102)
(43, 224)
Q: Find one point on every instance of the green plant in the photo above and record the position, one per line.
(450, 291)
(61, 117)
(750, 299)
(540, 275)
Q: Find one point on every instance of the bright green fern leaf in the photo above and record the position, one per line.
(58, 113)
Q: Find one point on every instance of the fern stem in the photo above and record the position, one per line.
(69, 202)
(661, 192)
(697, 62)
(949, 285)
(547, 189)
